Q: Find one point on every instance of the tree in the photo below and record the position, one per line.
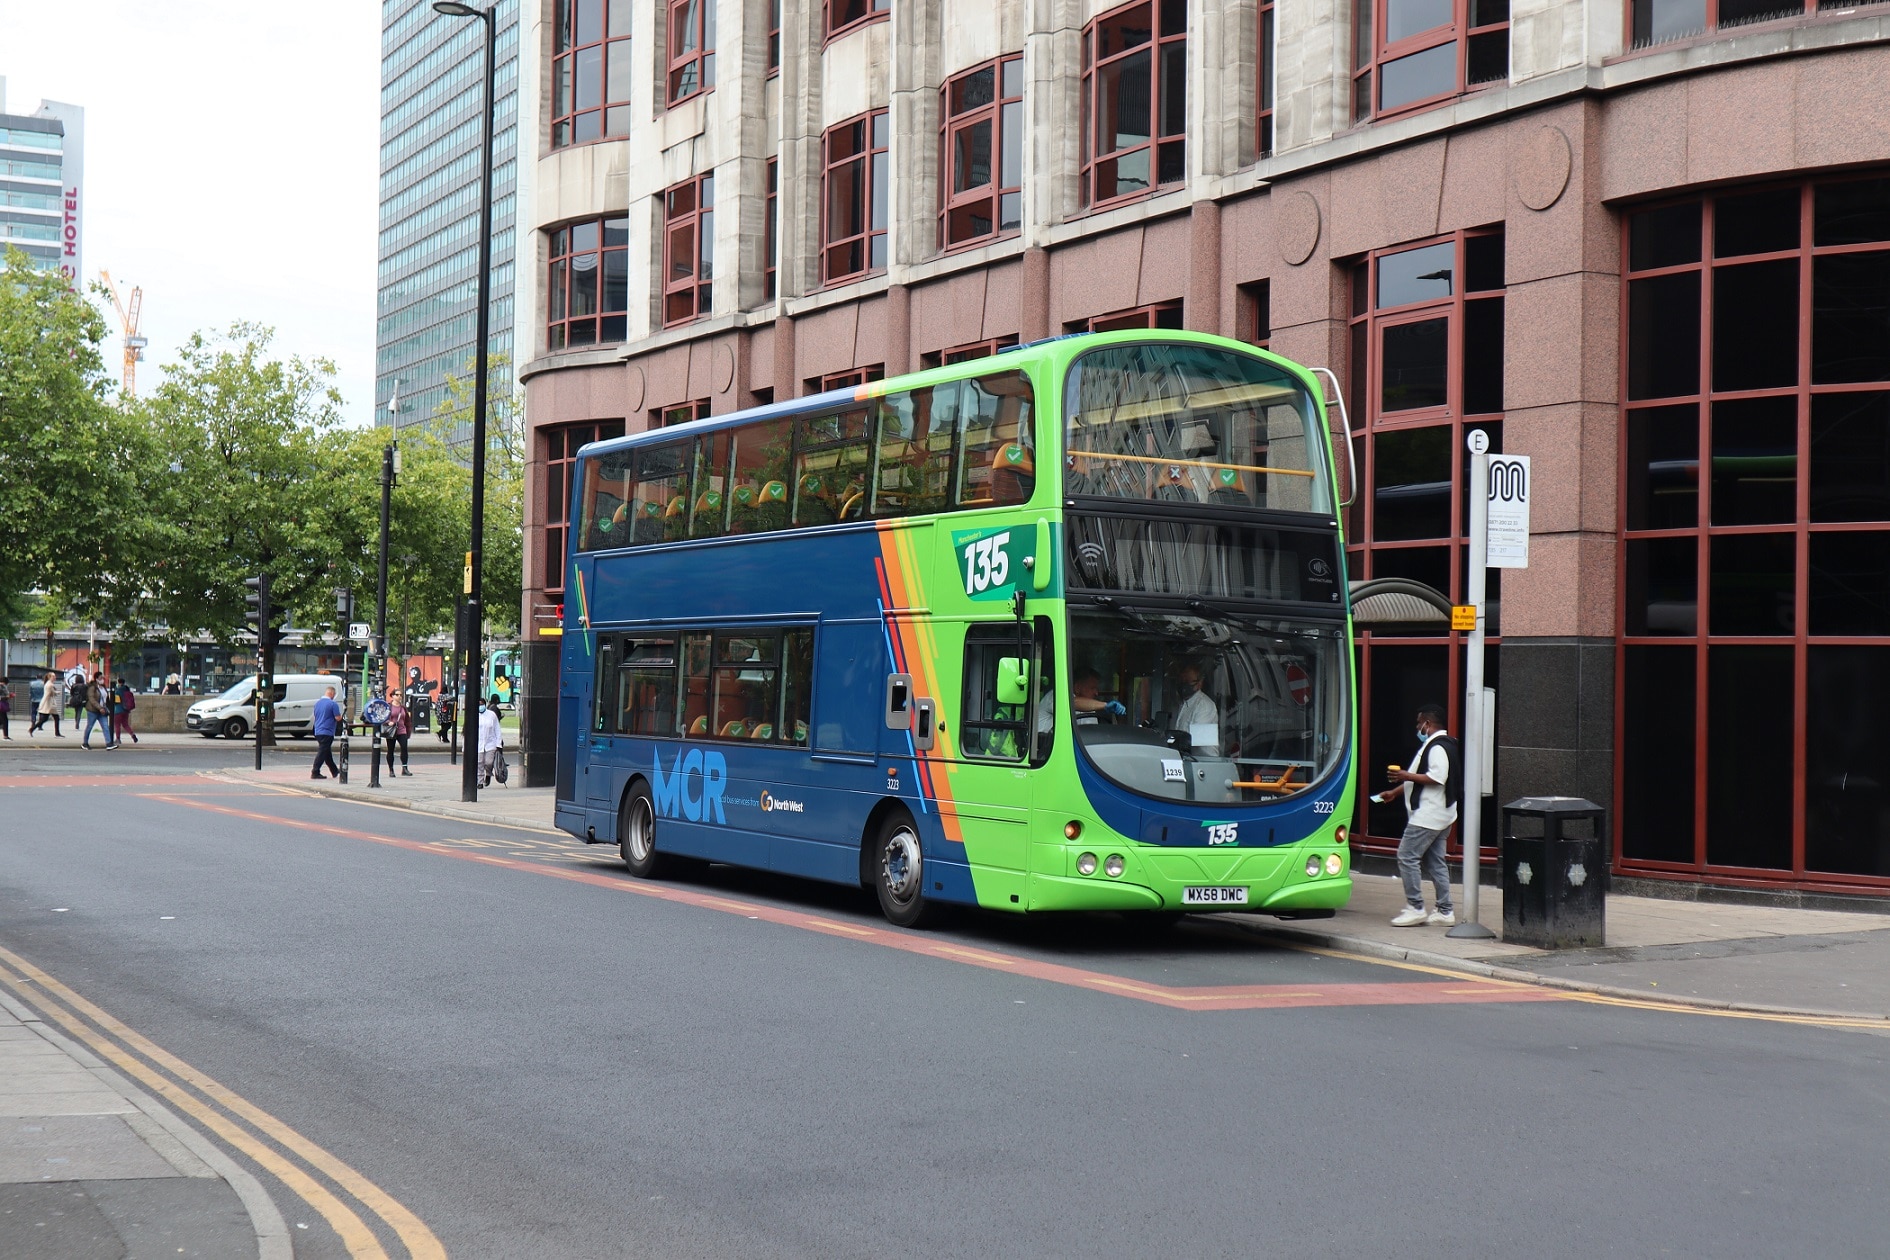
(248, 488)
(70, 462)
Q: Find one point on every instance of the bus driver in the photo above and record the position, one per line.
(1197, 715)
(1083, 701)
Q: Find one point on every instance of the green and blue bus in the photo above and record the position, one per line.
(1065, 628)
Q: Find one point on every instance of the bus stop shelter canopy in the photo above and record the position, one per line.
(1393, 604)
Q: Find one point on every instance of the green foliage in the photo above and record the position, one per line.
(70, 462)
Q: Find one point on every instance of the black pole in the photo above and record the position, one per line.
(377, 675)
(470, 645)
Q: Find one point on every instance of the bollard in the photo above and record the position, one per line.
(342, 759)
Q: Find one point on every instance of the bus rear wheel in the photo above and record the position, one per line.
(636, 836)
(899, 873)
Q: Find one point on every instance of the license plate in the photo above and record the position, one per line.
(1209, 896)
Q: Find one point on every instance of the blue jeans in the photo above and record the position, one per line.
(97, 720)
(1420, 845)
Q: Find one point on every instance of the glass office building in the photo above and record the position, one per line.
(431, 70)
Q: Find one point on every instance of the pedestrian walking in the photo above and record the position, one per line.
(173, 686)
(6, 710)
(127, 701)
(491, 741)
(76, 683)
(98, 711)
(327, 715)
(1431, 790)
(52, 698)
(397, 730)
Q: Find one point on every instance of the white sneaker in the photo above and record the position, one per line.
(1410, 916)
(1442, 918)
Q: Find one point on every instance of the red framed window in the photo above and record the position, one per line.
(854, 204)
(1263, 79)
(588, 295)
(1427, 367)
(1159, 315)
(774, 36)
(844, 15)
(681, 413)
(1754, 578)
(967, 352)
(981, 145)
(691, 48)
(771, 211)
(1408, 54)
(561, 445)
(1659, 21)
(844, 380)
(688, 250)
(1135, 101)
(590, 71)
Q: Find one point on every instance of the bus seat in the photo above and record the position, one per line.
(678, 506)
(709, 503)
(1227, 489)
(762, 730)
(649, 524)
(1013, 474)
(736, 729)
(800, 732)
(771, 505)
(699, 728)
(853, 502)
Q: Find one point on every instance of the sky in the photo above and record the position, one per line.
(231, 164)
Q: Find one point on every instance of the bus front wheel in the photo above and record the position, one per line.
(636, 835)
(899, 873)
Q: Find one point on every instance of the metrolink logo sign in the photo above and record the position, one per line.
(693, 787)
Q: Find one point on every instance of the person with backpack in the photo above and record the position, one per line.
(1432, 787)
(121, 711)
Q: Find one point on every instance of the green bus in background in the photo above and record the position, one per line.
(1065, 628)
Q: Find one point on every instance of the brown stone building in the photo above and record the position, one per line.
(1646, 242)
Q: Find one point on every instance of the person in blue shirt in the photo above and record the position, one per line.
(327, 716)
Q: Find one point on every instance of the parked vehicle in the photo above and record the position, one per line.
(233, 714)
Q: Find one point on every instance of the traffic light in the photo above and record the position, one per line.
(256, 603)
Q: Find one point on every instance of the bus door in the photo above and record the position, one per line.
(595, 762)
(1004, 725)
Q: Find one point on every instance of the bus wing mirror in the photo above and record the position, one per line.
(1013, 680)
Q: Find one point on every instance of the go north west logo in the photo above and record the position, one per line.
(772, 804)
(693, 786)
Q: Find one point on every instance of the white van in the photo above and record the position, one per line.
(233, 714)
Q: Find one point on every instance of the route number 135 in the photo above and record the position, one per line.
(987, 563)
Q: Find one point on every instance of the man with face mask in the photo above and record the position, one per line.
(1196, 714)
(1431, 815)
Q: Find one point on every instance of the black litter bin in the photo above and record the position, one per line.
(1555, 872)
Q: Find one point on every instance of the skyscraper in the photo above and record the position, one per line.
(431, 82)
(42, 184)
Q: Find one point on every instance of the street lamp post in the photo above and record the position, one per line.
(390, 471)
(469, 770)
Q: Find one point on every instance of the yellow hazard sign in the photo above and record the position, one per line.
(1463, 617)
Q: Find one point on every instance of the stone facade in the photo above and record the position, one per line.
(1552, 157)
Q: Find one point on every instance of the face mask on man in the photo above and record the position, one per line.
(1422, 735)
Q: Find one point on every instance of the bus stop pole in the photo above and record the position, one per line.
(1470, 808)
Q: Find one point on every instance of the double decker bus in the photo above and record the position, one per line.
(1065, 628)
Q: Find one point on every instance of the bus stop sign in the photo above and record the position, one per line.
(1506, 499)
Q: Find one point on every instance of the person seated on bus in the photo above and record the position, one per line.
(1088, 708)
(1013, 474)
(1197, 716)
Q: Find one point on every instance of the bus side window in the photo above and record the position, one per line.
(759, 499)
(695, 688)
(831, 468)
(708, 509)
(797, 679)
(994, 723)
(605, 690)
(659, 502)
(646, 687)
(912, 470)
(745, 689)
(606, 492)
(998, 462)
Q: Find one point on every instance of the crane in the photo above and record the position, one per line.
(135, 342)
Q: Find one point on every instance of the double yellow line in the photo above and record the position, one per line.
(278, 1149)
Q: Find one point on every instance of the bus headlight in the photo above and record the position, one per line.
(1114, 866)
(1312, 867)
(1086, 864)
(1333, 864)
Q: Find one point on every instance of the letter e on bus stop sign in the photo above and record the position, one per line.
(1506, 496)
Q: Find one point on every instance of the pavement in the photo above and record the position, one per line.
(92, 1166)
(1720, 956)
